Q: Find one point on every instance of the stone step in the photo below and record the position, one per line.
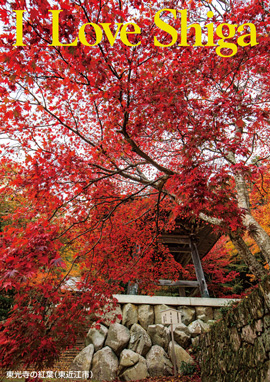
(68, 356)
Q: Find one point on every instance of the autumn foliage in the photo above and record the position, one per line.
(112, 140)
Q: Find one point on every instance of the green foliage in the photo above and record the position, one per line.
(6, 302)
(244, 280)
(187, 368)
(226, 308)
(168, 291)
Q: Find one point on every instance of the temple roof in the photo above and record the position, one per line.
(178, 240)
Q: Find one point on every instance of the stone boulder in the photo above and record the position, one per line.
(82, 362)
(132, 366)
(104, 365)
(127, 359)
(198, 327)
(195, 341)
(181, 356)
(182, 335)
(249, 334)
(96, 337)
(182, 328)
(187, 314)
(158, 362)
(117, 338)
(204, 313)
(146, 315)
(158, 310)
(160, 335)
(140, 341)
(129, 315)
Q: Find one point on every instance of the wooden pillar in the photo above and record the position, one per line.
(198, 268)
(182, 292)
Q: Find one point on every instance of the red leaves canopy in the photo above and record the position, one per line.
(114, 136)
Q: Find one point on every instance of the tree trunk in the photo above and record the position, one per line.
(259, 235)
(254, 229)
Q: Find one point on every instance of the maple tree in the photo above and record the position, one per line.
(114, 135)
(259, 199)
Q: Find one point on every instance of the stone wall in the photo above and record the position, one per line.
(139, 345)
(237, 349)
